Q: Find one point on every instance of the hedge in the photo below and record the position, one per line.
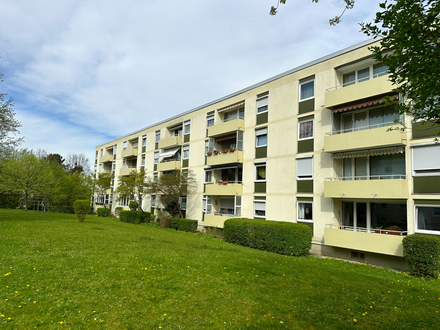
(81, 207)
(103, 212)
(281, 237)
(184, 224)
(423, 255)
(135, 216)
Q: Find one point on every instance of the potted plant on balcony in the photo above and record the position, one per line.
(209, 153)
(215, 152)
(225, 150)
(232, 149)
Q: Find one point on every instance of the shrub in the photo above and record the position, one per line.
(67, 209)
(184, 224)
(423, 255)
(118, 210)
(135, 216)
(281, 237)
(81, 207)
(165, 222)
(103, 212)
(148, 217)
(9, 201)
(133, 205)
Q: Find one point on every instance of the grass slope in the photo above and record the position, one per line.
(103, 274)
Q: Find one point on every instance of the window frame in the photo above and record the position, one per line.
(262, 202)
(313, 129)
(144, 140)
(185, 148)
(187, 123)
(266, 105)
(297, 211)
(156, 157)
(303, 178)
(210, 116)
(435, 171)
(204, 177)
(416, 219)
(124, 145)
(157, 138)
(183, 204)
(304, 83)
(257, 134)
(256, 165)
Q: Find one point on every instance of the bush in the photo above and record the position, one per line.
(423, 255)
(9, 201)
(67, 209)
(165, 222)
(103, 212)
(135, 216)
(133, 205)
(281, 237)
(118, 210)
(81, 207)
(184, 224)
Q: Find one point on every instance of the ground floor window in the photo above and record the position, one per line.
(428, 219)
(260, 209)
(305, 211)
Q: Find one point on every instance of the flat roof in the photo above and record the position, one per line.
(261, 83)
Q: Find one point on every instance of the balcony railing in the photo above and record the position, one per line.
(379, 230)
(224, 188)
(357, 81)
(363, 128)
(368, 177)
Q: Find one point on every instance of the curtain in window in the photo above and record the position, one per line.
(261, 173)
(387, 167)
(305, 211)
(305, 130)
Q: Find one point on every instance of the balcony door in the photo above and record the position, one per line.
(354, 215)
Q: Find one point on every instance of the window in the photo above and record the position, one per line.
(115, 149)
(366, 73)
(124, 202)
(208, 176)
(144, 140)
(157, 136)
(260, 209)
(156, 157)
(210, 119)
(426, 160)
(368, 119)
(124, 145)
(227, 205)
(305, 211)
(261, 137)
(187, 127)
(207, 204)
(143, 161)
(379, 70)
(153, 201)
(102, 152)
(186, 151)
(96, 154)
(305, 130)
(428, 219)
(113, 166)
(183, 203)
(260, 172)
(95, 169)
(307, 90)
(234, 114)
(304, 168)
(100, 168)
(262, 104)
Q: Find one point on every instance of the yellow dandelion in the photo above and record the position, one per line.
(355, 320)
(35, 302)
(165, 314)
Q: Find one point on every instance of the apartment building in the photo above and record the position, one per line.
(314, 145)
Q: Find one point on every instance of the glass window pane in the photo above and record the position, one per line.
(349, 78)
(307, 90)
(363, 74)
(379, 70)
(388, 216)
(305, 211)
(261, 172)
(261, 140)
(387, 166)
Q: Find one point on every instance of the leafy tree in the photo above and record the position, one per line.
(173, 186)
(133, 187)
(81, 207)
(8, 125)
(26, 174)
(78, 163)
(55, 159)
(410, 47)
(349, 4)
(103, 182)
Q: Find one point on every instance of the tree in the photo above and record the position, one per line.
(410, 47)
(103, 182)
(172, 187)
(349, 4)
(133, 187)
(77, 163)
(26, 174)
(55, 159)
(8, 125)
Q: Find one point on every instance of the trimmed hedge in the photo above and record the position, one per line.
(103, 212)
(135, 216)
(281, 237)
(81, 207)
(184, 224)
(423, 255)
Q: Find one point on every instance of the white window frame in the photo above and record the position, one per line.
(304, 83)
(303, 178)
(262, 202)
(260, 132)
(434, 170)
(256, 165)
(187, 123)
(313, 129)
(259, 99)
(209, 117)
(156, 157)
(416, 219)
(144, 140)
(124, 145)
(183, 201)
(185, 148)
(143, 161)
(157, 136)
(297, 211)
(211, 174)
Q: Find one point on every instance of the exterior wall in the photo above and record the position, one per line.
(283, 190)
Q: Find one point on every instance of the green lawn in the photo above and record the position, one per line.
(103, 274)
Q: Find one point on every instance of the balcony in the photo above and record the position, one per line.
(224, 188)
(126, 170)
(107, 158)
(375, 241)
(169, 166)
(129, 152)
(216, 220)
(225, 158)
(369, 88)
(226, 127)
(375, 137)
(378, 187)
(170, 142)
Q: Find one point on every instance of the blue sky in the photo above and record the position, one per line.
(84, 72)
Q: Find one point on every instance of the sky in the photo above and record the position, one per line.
(82, 73)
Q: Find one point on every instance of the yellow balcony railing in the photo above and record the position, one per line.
(129, 152)
(127, 170)
(225, 158)
(215, 220)
(223, 189)
(170, 142)
(106, 158)
(169, 166)
(226, 127)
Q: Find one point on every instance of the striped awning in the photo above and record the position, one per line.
(364, 104)
(365, 153)
(226, 137)
(232, 107)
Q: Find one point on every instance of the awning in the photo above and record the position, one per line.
(377, 152)
(360, 105)
(213, 168)
(169, 153)
(109, 148)
(232, 107)
(226, 137)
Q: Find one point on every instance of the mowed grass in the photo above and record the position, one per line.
(59, 273)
